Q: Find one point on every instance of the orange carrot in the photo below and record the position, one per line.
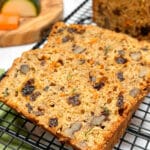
(8, 22)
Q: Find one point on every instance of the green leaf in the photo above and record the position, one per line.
(2, 71)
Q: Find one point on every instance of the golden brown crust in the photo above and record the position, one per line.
(82, 92)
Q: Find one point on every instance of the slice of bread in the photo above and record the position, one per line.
(83, 86)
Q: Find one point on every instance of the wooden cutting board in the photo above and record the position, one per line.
(34, 28)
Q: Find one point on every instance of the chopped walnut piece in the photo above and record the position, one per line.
(120, 60)
(72, 129)
(120, 76)
(97, 120)
(74, 100)
(75, 30)
(67, 38)
(34, 95)
(120, 104)
(134, 92)
(78, 49)
(24, 68)
(30, 108)
(136, 56)
(53, 122)
(143, 72)
(121, 52)
(38, 113)
(120, 101)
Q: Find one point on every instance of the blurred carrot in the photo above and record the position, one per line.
(8, 21)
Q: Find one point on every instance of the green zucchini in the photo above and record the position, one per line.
(24, 8)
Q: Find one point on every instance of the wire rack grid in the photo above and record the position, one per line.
(18, 133)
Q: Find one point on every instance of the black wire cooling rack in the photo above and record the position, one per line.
(18, 133)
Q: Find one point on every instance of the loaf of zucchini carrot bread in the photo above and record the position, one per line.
(83, 86)
(128, 16)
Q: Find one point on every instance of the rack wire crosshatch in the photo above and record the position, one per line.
(18, 133)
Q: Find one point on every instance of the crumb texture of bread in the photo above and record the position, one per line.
(82, 86)
(129, 16)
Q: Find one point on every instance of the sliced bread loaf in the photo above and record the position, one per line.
(129, 16)
(83, 86)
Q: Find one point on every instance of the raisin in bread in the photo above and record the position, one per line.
(83, 86)
(129, 16)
